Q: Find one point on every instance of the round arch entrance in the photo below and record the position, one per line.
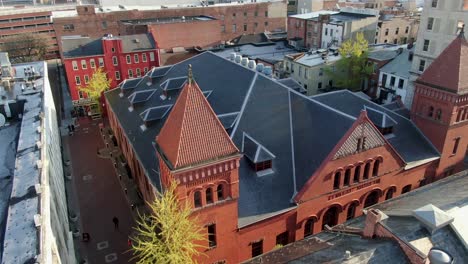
(372, 198)
(330, 217)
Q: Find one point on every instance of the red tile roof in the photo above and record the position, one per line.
(450, 69)
(193, 133)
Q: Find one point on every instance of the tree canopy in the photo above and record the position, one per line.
(26, 47)
(168, 234)
(98, 84)
(353, 66)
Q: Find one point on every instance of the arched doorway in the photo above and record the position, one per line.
(330, 217)
(351, 213)
(371, 199)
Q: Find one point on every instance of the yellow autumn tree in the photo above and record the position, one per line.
(167, 235)
(353, 66)
(98, 84)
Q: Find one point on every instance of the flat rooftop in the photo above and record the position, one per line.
(168, 20)
(21, 237)
(270, 53)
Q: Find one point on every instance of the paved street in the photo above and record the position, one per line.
(100, 198)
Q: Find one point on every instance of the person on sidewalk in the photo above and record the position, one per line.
(115, 220)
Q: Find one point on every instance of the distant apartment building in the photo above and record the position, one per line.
(397, 29)
(121, 57)
(325, 29)
(394, 78)
(441, 22)
(346, 25)
(310, 70)
(379, 55)
(222, 21)
(307, 6)
(30, 20)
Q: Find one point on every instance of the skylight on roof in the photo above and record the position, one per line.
(141, 96)
(155, 113)
(159, 72)
(130, 83)
(173, 83)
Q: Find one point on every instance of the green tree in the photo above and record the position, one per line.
(26, 47)
(353, 68)
(168, 234)
(98, 84)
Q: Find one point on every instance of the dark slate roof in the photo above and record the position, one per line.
(287, 125)
(379, 118)
(251, 39)
(408, 141)
(132, 43)
(81, 46)
(85, 46)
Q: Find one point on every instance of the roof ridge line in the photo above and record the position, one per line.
(247, 97)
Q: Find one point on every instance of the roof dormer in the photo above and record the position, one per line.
(381, 120)
(259, 157)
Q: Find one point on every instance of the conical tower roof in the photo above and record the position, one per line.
(449, 71)
(193, 133)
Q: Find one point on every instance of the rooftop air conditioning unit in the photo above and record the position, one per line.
(136, 40)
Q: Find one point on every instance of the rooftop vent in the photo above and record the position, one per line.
(37, 220)
(39, 164)
(238, 58)
(432, 217)
(439, 256)
(252, 64)
(268, 70)
(232, 56)
(38, 188)
(260, 67)
(39, 144)
(136, 40)
(244, 62)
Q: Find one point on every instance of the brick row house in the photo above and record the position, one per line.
(262, 164)
(122, 58)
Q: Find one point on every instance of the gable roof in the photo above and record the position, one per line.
(286, 123)
(449, 70)
(192, 133)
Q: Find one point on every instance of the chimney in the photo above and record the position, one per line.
(373, 217)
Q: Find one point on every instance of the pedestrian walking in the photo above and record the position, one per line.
(115, 220)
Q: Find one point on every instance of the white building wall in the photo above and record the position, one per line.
(399, 91)
(331, 32)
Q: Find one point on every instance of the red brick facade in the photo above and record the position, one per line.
(254, 17)
(114, 62)
(348, 180)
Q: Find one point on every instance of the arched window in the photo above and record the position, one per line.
(438, 114)
(309, 227)
(371, 199)
(459, 114)
(220, 192)
(351, 211)
(375, 170)
(209, 195)
(406, 189)
(197, 199)
(357, 173)
(366, 170)
(389, 194)
(347, 177)
(337, 180)
(431, 111)
(330, 217)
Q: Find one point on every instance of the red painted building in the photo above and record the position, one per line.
(263, 165)
(122, 57)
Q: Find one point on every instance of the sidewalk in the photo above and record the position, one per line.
(100, 198)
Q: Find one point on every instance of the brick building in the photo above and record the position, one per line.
(35, 20)
(122, 58)
(262, 164)
(227, 20)
(328, 28)
(397, 29)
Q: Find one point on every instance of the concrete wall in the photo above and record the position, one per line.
(56, 238)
